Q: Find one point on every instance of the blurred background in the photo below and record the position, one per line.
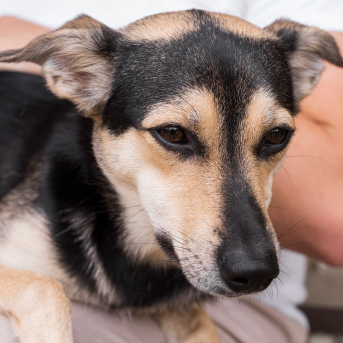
(324, 305)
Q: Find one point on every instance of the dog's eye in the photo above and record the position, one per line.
(173, 134)
(174, 138)
(276, 136)
(274, 141)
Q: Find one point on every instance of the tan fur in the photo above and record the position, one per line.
(20, 200)
(72, 65)
(312, 44)
(92, 92)
(165, 26)
(192, 325)
(197, 111)
(161, 179)
(77, 72)
(174, 25)
(106, 294)
(25, 242)
(25, 239)
(263, 114)
(196, 231)
(240, 27)
(159, 191)
(38, 306)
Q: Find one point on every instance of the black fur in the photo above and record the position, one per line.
(76, 197)
(19, 124)
(232, 67)
(72, 187)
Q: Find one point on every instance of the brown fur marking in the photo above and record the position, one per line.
(162, 177)
(192, 325)
(239, 26)
(263, 114)
(165, 26)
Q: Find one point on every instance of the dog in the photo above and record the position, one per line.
(140, 181)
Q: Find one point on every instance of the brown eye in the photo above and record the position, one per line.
(173, 134)
(276, 136)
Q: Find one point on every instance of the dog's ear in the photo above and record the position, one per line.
(77, 60)
(305, 46)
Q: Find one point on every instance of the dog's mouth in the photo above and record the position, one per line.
(166, 244)
(229, 272)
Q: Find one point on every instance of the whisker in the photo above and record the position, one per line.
(155, 243)
(283, 208)
(291, 245)
(134, 215)
(287, 275)
(289, 176)
(315, 157)
(287, 233)
(293, 226)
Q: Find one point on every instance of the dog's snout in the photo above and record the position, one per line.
(245, 274)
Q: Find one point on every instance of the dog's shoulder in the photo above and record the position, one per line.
(28, 114)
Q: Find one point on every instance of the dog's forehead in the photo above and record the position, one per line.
(173, 25)
(199, 111)
(161, 57)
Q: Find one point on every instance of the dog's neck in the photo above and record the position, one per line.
(139, 239)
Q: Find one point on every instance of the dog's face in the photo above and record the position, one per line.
(193, 116)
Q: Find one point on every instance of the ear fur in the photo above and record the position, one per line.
(77, 60)
(305, 46)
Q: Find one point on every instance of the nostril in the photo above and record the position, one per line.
(240, 281)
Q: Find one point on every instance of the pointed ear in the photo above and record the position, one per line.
(305, 46)
(77, 60)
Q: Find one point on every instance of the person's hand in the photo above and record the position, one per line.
(307, 203)
(15, 34)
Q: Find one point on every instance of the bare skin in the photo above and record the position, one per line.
(306, 207)
(307, 191)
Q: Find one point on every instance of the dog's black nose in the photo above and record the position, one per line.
(248, 274)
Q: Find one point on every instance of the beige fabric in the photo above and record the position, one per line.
(253, 322)
(248, 322)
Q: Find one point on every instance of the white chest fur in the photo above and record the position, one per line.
(25, 244)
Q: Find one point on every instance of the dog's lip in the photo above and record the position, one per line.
(222, 292)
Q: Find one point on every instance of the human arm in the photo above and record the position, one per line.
(307, 203)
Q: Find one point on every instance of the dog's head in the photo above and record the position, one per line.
(193, 115)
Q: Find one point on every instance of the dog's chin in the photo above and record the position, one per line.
(229, 293)
(219, 289)
(216, 290)
(220, 292)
